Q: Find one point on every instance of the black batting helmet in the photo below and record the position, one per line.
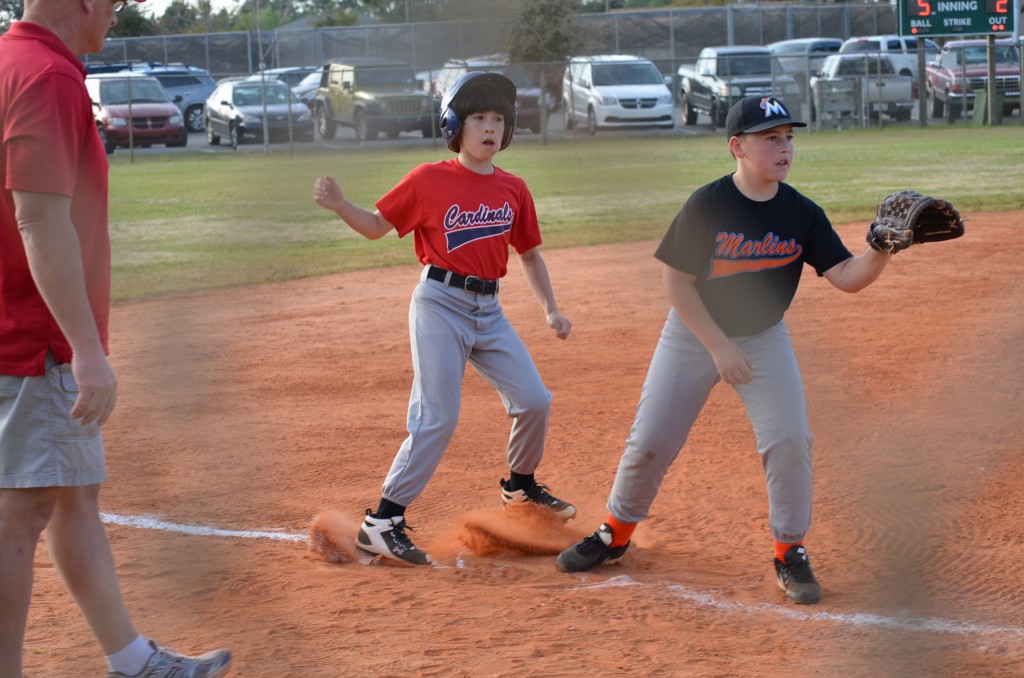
(451, 123)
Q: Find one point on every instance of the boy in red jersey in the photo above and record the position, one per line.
(464, 214)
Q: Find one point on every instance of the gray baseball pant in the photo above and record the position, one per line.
(449, 327)
(679, 381)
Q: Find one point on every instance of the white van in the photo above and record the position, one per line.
(614, 91)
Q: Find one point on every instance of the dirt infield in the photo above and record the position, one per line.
(254, 409)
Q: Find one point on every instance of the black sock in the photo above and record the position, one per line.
(521, 481)
(389, 509)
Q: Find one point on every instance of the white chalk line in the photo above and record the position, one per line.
(164, 526)
(915, 624)
(912, 623)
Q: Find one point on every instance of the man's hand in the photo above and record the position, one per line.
(97, 389)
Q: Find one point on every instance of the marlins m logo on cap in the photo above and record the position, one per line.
(772, 106)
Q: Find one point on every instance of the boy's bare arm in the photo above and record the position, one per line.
(733, 364)
(328, 194)
(536, 274)
(856, 273)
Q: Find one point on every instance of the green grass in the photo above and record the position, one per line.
(188, 222)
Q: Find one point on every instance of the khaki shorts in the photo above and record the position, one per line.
(40, 444)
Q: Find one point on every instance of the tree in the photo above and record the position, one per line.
(10, 10)
(133, 23)
(541, 31)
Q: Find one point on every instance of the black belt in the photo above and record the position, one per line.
(470, 283)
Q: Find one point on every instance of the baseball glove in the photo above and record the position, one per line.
(907, 217)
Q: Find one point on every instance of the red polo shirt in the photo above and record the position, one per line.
(48, 144)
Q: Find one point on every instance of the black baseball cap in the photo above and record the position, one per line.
(756, 114)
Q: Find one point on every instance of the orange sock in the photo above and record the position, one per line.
(621, 532)
(781, 549)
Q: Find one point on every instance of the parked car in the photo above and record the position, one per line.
(428, 81)
(902, 51)
(289, 75)
(530, 113)
(192, 84)
(236, 108)
(306, 88)
(851, 83)
(134, 109)
(93, 67)
(725, 74)
(616, 91)
(961, 69)
(372, 96)
(800, 58)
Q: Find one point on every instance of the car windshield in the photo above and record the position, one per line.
(865, 66)
(745, 64)
(387, 77)
(277, 93)
(311, 79)
(626, 74)
(975, 55)
(119, 92)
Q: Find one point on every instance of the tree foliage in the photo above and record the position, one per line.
(10, 10)
(541, 31)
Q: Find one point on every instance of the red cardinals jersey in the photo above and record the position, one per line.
(463, 221)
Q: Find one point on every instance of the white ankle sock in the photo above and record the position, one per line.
(132, 658)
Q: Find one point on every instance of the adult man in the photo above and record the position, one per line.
(56, 386)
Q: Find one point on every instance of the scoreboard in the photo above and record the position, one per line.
(957, 17)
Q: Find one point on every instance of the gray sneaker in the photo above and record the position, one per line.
(796, 578)
(538, 495)
(169, 664)
(386, 537)
(592, 551)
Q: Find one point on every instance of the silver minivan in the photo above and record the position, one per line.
(615, 91)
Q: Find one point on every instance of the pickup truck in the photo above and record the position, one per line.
(724, 75)
(902, 51)
(961, 69)
(866, 82)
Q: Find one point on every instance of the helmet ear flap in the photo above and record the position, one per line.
(450, 128)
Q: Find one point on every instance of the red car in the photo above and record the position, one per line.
(118, 98)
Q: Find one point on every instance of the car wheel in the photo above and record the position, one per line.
(938, 106)
(326, 127)
(211, 138)
(194, 118)
(570, 118)
(234, 135)
(952, 111)
(717, 119)
(107, 146)
(689, 112)
(591, 122)
(363, 132)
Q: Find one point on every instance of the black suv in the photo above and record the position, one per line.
(372, 96)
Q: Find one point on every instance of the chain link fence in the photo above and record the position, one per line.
(666, 37)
